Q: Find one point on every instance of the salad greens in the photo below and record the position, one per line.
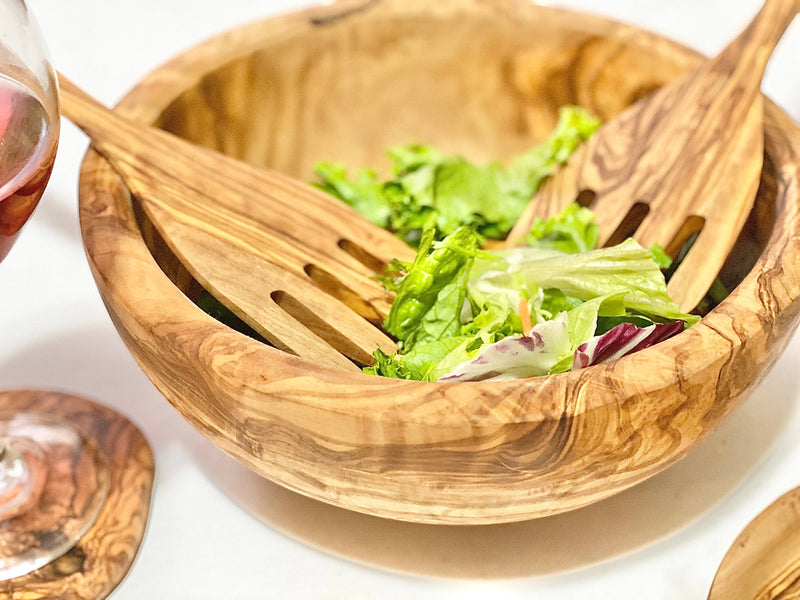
(462, 313)
(430, 298)
(432, 190)
(465, 313)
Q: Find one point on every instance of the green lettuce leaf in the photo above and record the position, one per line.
(364, 192)
(391, 366)
(432, 293)
(574, 126)
(626, 268)
(573, 230)
(428, 188)
(417, 364)
(518, 356)
(663, 260)
(549, 347)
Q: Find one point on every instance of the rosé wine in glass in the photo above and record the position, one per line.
(28, 142)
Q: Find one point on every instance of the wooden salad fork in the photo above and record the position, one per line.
(262, 243)
(684, 161)
(764, 561)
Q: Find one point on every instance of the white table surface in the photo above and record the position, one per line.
(216, 531)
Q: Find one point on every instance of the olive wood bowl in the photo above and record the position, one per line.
(485, 79)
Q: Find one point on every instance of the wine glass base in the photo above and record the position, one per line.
(24, 475)
(62, 492)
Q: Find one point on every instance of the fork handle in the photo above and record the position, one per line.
(751, 50)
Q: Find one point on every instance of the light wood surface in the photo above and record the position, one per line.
(105, 553)
(685, 160)
(763, 562)
(344, 82)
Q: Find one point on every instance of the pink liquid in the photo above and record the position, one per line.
(27, 150)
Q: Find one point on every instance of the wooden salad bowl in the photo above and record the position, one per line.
(485, 79)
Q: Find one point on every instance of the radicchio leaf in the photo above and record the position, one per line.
(623, 339)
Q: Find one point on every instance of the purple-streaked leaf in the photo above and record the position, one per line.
(516, 357)
(623, 339)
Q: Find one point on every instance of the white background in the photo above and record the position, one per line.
(217, 532)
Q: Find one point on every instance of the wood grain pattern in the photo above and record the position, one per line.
(250, 236)
(316, 85)
(102, 558)
(685, 160)
(763, 563)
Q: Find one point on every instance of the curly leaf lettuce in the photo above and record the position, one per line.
(430, 189)
(571, 231)
(625, 268)
(517, 356)
(431, 295)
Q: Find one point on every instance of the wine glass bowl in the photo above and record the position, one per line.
(53, 481)
(29, 121)
(343, 83)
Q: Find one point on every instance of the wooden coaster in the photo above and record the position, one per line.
(103, 556)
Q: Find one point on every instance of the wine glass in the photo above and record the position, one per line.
(53, 481)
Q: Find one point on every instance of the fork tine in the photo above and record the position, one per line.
(328, 318)
(685, 287)
(288, 334)
(219, 260)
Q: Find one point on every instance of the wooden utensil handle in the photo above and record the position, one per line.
(95, 119)
(74, 92)
(75, 103)
(756, 43)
